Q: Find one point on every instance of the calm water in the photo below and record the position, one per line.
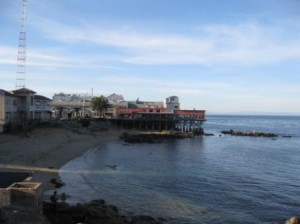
(201, 180)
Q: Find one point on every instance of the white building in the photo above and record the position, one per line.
(115, 98)
(172, 103)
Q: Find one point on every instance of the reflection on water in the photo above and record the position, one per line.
(201, 180)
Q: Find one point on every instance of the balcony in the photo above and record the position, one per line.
(42, 108)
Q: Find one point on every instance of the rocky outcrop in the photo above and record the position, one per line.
(249, 133)
(96, 211)
(293, 220)
(21, 214)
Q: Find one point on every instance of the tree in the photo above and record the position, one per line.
(99, 104)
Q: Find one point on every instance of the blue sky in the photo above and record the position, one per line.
(221, 56)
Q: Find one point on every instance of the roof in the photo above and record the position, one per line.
(40, 97)
(6, 93)
(23, 91)
(154, 113)
(172, 97)
(145, 104)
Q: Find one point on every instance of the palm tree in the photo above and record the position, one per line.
(99, 104)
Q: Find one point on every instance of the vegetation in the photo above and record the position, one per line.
(99, 104)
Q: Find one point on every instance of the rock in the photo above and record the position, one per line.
(24, 215)
(249, 133)
(293, 220)
(93, 212)
(56, 183)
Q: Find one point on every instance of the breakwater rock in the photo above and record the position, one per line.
(249, 133)
(96, 211)
(154, 137)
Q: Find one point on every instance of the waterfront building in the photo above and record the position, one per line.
(22, 106)
(172, 103)
(154, 116)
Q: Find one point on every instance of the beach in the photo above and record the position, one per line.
(44, 150)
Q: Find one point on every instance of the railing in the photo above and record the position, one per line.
(42, 108)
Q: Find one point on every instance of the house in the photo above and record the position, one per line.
(42, 110)
(25, 104)
(22, 106)
(8, 109)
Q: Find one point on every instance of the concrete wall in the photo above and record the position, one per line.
(26, 194)
(4, 197)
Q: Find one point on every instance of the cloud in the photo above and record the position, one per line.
(248, 43)
(54, 58)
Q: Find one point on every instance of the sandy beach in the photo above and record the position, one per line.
(44, 150)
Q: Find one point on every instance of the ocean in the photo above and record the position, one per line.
(206, 179)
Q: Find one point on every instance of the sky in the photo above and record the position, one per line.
(233, 56)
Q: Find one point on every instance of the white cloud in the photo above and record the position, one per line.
(246, 43)
(54, 58)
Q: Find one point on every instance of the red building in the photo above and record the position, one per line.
(190, 114)
(128, 112)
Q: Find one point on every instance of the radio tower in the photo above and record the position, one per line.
(21, 64)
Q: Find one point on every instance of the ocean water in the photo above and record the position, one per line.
(207, 179)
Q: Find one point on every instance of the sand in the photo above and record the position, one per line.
(44, 150)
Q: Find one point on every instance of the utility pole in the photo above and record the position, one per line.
(21, 63)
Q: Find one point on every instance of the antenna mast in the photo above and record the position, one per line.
(21, 64)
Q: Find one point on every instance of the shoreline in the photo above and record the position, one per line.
(44, 151)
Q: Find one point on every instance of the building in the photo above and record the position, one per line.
(8, 109)
(71, 105)
(126, 109)
(172, 103)
(154, 116)
(42, 110)
(62, 97)
(115, 98)
(22, 106)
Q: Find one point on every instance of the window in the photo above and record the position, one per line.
(7, 116)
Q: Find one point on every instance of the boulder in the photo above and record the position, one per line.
(293, 220)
